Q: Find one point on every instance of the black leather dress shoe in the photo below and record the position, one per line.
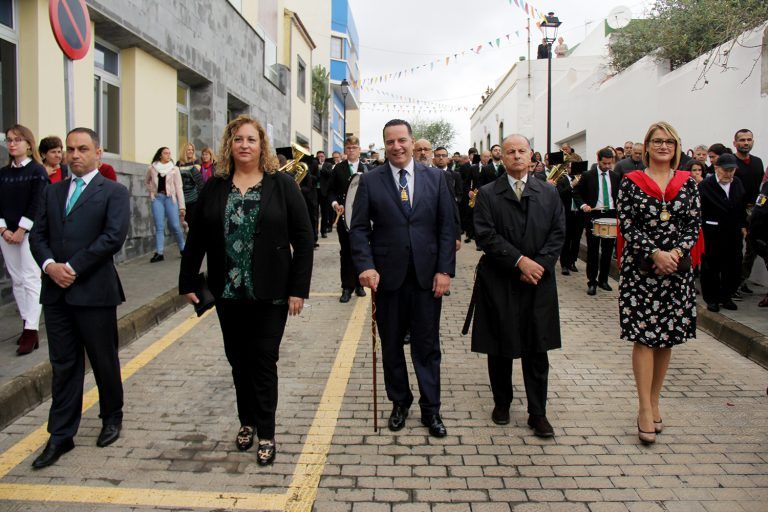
(605, 286)
(359, 291)
(397, 418)
(156, 257)
(565, 271)
(500, 415)
(591, 289)
(323, 235)
(730, 305)
(108, 435)
(435, 425)
(573, 268)
(713, 307)
(540, 426)
(51, 453)
(345, 295)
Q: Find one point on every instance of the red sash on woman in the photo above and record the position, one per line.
(647, 185)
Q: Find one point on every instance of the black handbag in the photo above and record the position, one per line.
(205, 298)
(683, 266)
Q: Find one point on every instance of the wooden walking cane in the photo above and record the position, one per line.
(374, 344)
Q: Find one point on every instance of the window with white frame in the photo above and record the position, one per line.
(337, 47)
(182, 114)
(9, 39)
(106, 96)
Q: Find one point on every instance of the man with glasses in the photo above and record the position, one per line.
(337, 194)
(453, 178)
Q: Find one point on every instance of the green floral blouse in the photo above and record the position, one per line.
(240, 217)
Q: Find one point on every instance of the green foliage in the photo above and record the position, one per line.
(682, 30)
(321, 92)
(438, 133)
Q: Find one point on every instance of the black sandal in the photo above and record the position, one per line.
(266, 453)
(244, 438)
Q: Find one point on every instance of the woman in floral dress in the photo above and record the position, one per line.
(658, 247)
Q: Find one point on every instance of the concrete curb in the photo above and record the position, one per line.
(744, 340)
(31, 388)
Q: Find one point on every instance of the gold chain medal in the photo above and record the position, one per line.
(403, 195)
(664, 215)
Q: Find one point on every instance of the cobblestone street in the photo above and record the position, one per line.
(177, 451)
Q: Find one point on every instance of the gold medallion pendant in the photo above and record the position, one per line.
(665, 215)
(403, 195)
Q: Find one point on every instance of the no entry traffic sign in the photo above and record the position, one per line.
(71, 26)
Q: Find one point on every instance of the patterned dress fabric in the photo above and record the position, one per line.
(657, 311)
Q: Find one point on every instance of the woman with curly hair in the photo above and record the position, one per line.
(259, 269)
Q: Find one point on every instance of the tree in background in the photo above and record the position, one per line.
(682, 30)
(320, 90)
(438, 133)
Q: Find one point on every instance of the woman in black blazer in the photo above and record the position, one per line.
(248, 219)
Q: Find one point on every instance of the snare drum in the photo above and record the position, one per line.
(605, 228)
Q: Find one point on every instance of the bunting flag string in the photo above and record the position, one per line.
(529, 10)
(409, 107)
(447, 60)
(402, 98)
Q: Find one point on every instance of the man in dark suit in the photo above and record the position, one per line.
(724, 222)
(325, 171)
(520, 227)
(403, 245)
(82, 224)
(596, 196)
(453, 180)
(633, 161)
(574, 222)
(465, 211)
(342, 174)
(496, 163)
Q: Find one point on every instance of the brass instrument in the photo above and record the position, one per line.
(296, 167)
(558, 171)
(472, 199)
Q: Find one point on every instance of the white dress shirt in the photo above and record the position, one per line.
(726, 188)
(409, 177)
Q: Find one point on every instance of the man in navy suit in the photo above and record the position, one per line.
(82, 224)
(403, 245)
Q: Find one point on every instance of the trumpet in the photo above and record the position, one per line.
(472, 199)
(296, 167)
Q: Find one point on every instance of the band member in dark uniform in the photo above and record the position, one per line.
(466, 180)
(574, 222)
(337, 194)
(520, 227)
(597, 193)
(724, 222)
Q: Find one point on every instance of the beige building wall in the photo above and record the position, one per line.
(297, 44)
(41, 76)
(147, 104)
(353, 122)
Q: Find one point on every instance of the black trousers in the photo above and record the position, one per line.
(535, 377)
(598, 249)
(189, 214)
(326, 213)
(574, 227)
(721, 267)
(72, 329)
(415, 310)
(349, 278)
(252, 333)
(312, 209)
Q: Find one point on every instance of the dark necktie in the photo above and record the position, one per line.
(405, 198)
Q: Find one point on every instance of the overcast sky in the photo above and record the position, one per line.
(399, 34)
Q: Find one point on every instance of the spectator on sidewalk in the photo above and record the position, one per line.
(52, 152)
(107, 171)
(191, 181)
(750, 172)
(207, 164)
(659, 222)
(724, 222)
(21, 185)
(249, 219)
(82, 224)
(163, 182)
(700, 153)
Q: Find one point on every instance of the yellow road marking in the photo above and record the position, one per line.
(306, 478)
(301, 492)
(27, 446)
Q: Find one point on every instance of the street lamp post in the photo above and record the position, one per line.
(550, 27)
(344, 92)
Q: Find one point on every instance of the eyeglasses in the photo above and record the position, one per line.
(15, 141)
(657, 143)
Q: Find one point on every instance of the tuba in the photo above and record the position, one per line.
(296, 167)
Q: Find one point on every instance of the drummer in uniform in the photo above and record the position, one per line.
(337, 194)
(596, 196)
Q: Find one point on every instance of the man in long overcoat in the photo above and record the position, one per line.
(520, 226)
